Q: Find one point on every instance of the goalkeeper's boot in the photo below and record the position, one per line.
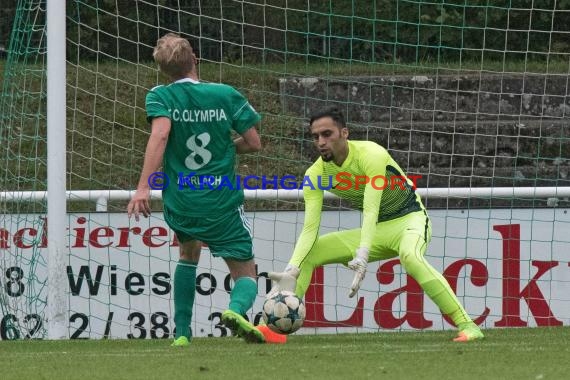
(271, 336)
(468, 332)
(181, 341)
(241, 327)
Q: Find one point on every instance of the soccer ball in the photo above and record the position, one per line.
(284, 313)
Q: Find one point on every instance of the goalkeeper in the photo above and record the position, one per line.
(191, 126)
(395, 222)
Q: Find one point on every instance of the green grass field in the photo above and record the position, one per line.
(524, 353)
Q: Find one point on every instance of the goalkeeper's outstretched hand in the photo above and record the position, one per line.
(358, 265)
(284, 281)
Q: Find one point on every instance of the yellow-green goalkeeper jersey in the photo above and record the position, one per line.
(387, 194)
(199, 159)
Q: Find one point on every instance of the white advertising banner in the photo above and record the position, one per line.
(508, 267)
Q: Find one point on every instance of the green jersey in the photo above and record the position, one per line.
(370, 179)
(200, 154)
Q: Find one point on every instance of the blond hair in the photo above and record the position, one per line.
(174, 55)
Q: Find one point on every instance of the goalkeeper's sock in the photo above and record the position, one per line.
(243, 294)
(184, 293)
(441, 294)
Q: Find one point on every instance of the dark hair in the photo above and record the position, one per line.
(332, 112)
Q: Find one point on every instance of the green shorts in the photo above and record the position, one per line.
(227, 236)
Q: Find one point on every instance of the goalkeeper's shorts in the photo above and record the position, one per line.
(227, 236)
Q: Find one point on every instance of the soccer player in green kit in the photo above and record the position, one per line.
(191, 138)
(394, 223)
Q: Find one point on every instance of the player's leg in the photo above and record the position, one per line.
(332, 248)
(230, 238)
(335, 248)
(242, 297)
(185, 290)
(412, 244)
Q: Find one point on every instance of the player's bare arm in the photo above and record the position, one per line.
(248, 142)
(154, 153)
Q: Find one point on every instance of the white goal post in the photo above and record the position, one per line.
(57, 300)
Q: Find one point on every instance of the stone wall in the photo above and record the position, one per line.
(455, 131)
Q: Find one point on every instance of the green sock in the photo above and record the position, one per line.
(184, 292)
(243, 294)
(441, 294)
